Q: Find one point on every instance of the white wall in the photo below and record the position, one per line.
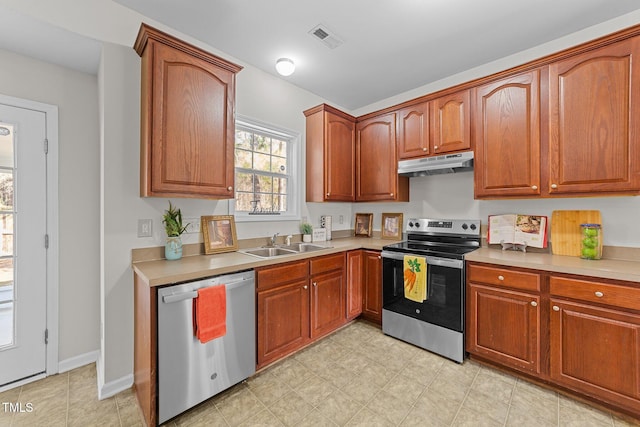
(76, 96)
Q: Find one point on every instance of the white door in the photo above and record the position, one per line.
(23, 256)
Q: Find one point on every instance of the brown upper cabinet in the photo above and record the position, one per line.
(187, 119)
(451, 122)
(507, 136)
(376, 161)
(330, 155)
(594, 102)
(413, 131)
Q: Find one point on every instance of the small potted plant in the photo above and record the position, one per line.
(172, 220)
(306, 230)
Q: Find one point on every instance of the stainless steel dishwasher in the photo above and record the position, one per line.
(190, 372)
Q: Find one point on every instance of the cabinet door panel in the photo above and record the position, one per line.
(283, 321)
(327, 303)
(596, 350)
(377, 167)
(451, 122)
(340, 155)
(592, 137)
(193, 129)
(413, 131)
(355, 280)
(504, 326)
(372, 298)
(507, 132)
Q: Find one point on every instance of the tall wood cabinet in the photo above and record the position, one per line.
(187, 119)
(507, 137)
(330, 155)
(376, 161)
(594, 102)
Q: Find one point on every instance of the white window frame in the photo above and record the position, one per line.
(294, 186)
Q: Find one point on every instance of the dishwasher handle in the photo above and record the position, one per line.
(179, 297)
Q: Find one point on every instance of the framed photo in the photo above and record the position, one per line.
(391, 226)
(363, 224)
(219, 234)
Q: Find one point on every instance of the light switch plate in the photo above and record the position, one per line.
(145, 227)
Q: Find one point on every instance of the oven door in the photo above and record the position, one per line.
(445, 290)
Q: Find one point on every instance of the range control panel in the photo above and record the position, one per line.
(470, 227)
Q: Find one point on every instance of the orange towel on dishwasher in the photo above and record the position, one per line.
(210, 313)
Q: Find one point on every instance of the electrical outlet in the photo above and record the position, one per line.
(194, 225)
(145, 227)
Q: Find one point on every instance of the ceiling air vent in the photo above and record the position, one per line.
(323, 34)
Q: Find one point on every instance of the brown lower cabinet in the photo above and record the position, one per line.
(298, 302)
(581, 334)
(372, 286)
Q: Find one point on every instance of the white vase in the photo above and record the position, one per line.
(306, 238)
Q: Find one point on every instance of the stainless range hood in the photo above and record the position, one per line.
(448, 163)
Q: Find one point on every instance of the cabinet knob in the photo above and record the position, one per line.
(315, 283)
(435, 147)
(305, 287)
(534, 304)
(424, 148)
(391, 194)
(599, 294)
(230, 188)
(534, 187)
(556, 308)
(328, 194)
(501, 277)
(554, 186)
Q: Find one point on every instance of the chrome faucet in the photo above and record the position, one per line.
(273, 239)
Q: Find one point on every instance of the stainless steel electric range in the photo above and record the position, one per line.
(437, 323)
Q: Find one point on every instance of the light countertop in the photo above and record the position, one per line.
(162, 272)
(602, 268)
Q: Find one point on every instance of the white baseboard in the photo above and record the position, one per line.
(78, 361)
(111, 388)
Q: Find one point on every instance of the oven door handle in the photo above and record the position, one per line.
(441, 262)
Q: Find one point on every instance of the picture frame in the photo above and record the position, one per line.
(219, 233)
(363, 224)
(391, 227)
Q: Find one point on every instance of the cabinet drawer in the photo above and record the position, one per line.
(327, 263)
(603, 293)
(273, 276)
(504, 277)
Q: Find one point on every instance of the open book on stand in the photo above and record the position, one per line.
(529, 230)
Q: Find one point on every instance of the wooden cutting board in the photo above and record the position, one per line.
(565, 230)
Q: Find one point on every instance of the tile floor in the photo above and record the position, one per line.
(355, 377)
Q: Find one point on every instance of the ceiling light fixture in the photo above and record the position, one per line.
(285, 66)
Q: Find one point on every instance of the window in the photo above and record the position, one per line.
(266, 162)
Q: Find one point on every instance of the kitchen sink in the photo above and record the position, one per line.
(269, 252)
(295, 248)
(303, 247)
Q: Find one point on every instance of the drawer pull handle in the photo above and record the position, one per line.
(500, 277)
(556, 308)
(534, 304)
(599, 294)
